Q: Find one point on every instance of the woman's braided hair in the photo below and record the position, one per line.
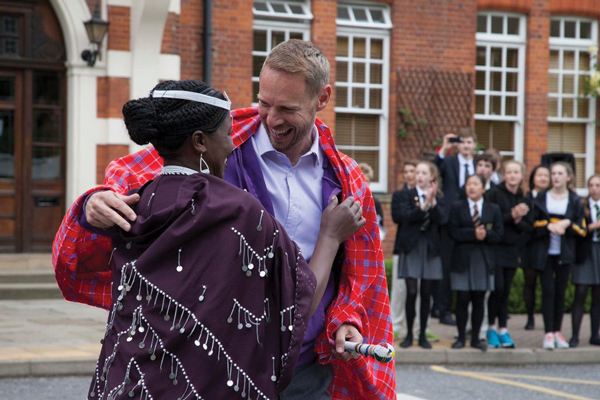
(166, 122)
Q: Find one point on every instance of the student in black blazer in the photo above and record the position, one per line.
(419, 261)
(509, 195)
(539, 180)
(398, 294)
(475, 225)
(559, 220)
(586, 273)
(453, 171)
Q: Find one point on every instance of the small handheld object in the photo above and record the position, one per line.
(383, 352)
(455, 140)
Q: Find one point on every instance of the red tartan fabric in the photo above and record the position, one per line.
(81, 263)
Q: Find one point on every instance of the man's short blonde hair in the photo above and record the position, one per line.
(299, 57)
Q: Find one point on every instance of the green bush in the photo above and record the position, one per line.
(516, 304)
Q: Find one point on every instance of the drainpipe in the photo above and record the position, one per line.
(207, 41)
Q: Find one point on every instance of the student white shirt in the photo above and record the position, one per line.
(558, 207)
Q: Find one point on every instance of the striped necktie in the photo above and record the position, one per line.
(475, 218)
(597, 231)
(426, 218)
(467, 173)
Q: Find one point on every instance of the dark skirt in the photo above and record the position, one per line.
(419, 264)
(475, 278)
(588, 272)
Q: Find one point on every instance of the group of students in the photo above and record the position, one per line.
(471, 236)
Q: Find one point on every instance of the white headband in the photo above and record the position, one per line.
(193, 96)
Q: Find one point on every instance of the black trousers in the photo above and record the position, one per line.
(498, 301)
(554, 279)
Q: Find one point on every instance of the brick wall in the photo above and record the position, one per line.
(113, 93)
(191, 36)
(119, 33)
(105, 153)
(170, 43)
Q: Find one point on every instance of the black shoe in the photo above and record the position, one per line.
(479, 345)
(424, 343)
(530, 325)
(435, 313)
(407, 342)
(459, 344)
(574, 342)
(447, 319)
(595, 341)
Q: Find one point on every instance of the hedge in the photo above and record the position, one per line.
(516, 304)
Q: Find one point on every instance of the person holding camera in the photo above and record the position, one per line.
(454, 171)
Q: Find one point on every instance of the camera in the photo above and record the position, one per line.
(455, 140)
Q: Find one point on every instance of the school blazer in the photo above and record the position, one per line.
(412, 218)
(450, 173)
(541, 236)
(515, 235)
(584, 244)
(462, 231)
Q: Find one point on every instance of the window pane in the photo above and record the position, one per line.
(511, 106)
(47, 126)
(343, 13)
(360, 15)
(496, 81)
(377, 49)
(358, 73)
(481, 56)
(482, 23)
(555, 28)
(553, 83)
(480, 80)
(496, 56)
(296, 9)
(376, 73)
(260, 6)
(502, 135)
(358, 98)
(583, 106)
(552, 107)
(377, 16)
(585, 30)
(257, 63)
(10, 47)
(341, 97)
(570, 29)
(554, 59)
(278, 8)
(580, 172)
(360, 47)
(260, 41)
(296, 35)
(10, 25)
(584, 61)
(497, 23)
(569, 60)
(568, 84)
(46, 163)
(495, 105)
(7, 144)
(357, 130)
(7, 88)
(511, 81)
(480, 104)
(512, 58)
(567, 108)
(581, 84)
(375, 99)
(341, 71)
(513, 26)
(255, 92)
(368, 157)
(276, 38)
(342, 47)
(482, 129)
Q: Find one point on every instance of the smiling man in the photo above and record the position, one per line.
(287, 159)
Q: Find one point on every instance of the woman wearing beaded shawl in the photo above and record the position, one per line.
(211, 297)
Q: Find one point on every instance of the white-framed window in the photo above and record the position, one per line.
(500, 82)
(362, 88)
(276, 21)
(571, 126)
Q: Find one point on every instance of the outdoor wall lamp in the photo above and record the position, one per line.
(96, 29)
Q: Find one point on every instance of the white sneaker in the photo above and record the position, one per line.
(549, 341)
(560, 341)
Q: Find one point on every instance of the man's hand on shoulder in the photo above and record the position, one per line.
(345, 333)
(106, 209)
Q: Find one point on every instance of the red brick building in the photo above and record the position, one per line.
(404, 73)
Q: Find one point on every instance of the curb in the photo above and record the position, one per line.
(498, 357)
(48, 367)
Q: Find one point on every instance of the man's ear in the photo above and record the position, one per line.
(324, 97)
(199, 141)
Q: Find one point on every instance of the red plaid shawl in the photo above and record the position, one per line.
(81, 261)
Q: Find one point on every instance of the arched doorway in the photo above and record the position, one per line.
(32, 125)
